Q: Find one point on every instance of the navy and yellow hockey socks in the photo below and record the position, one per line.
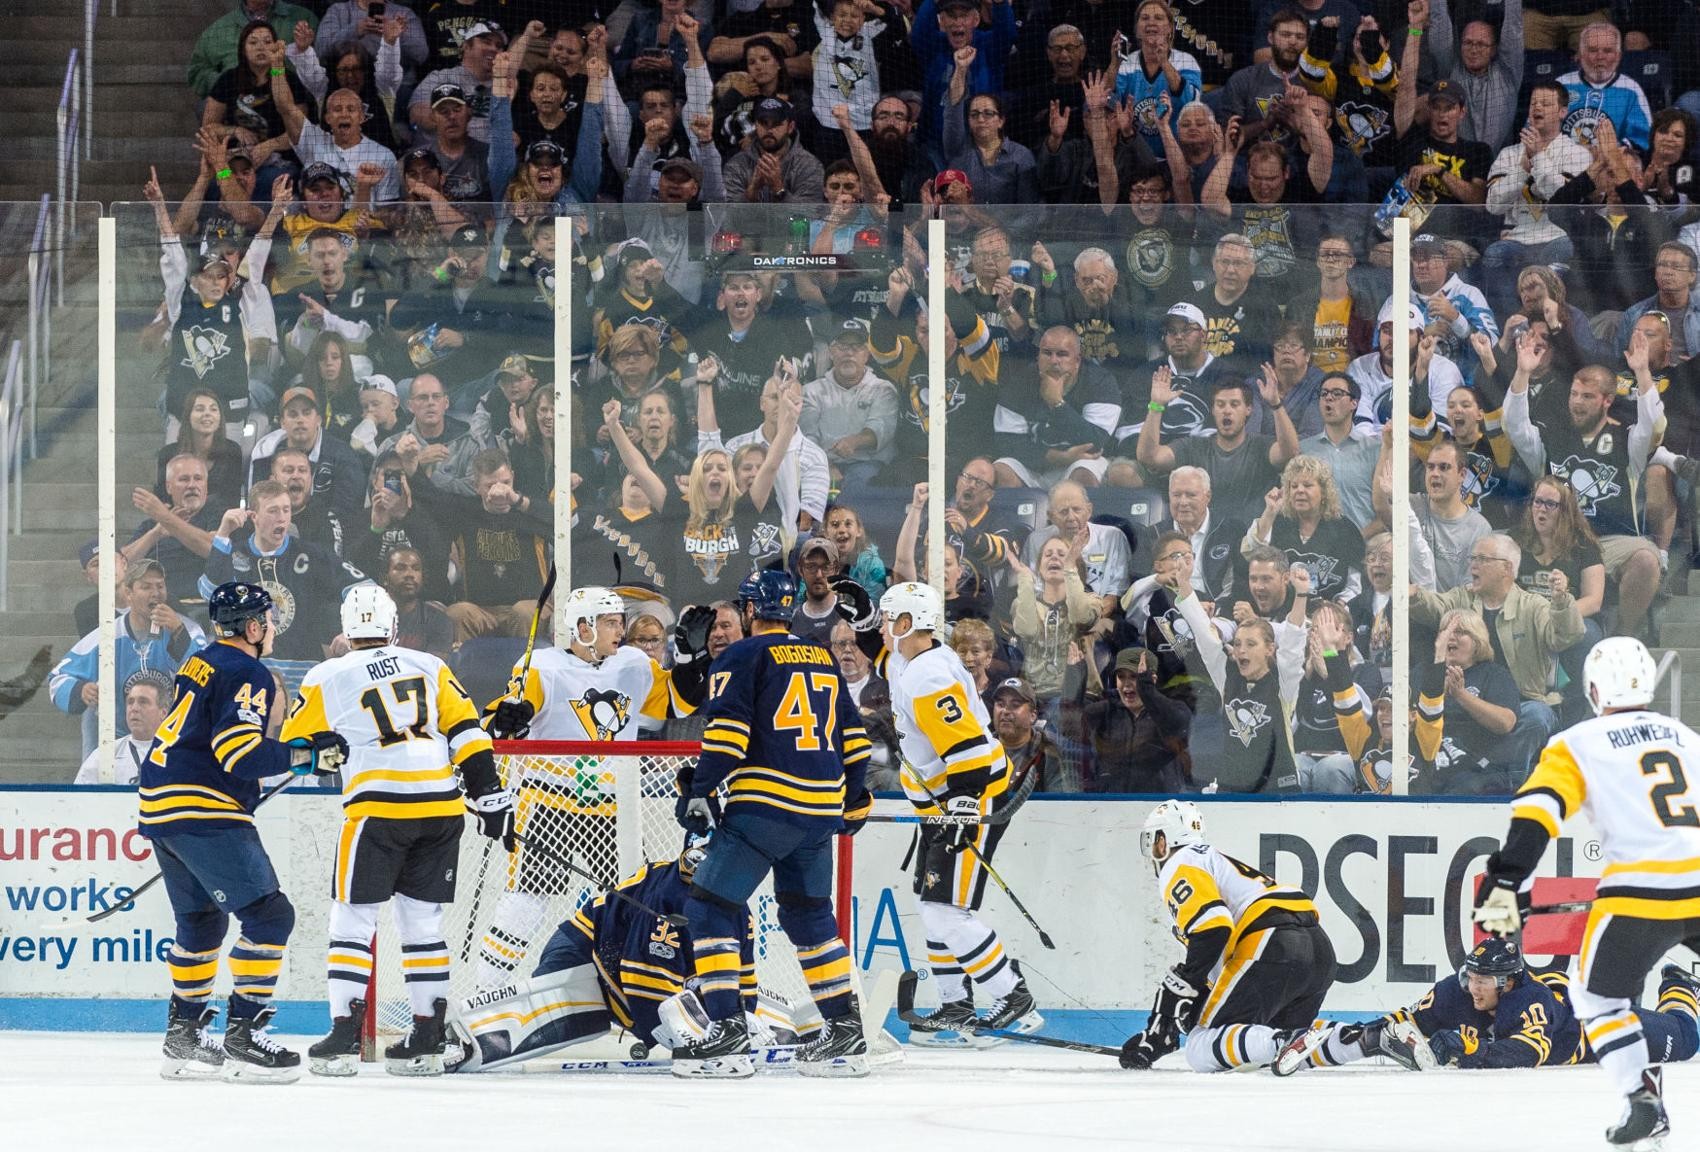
(192, 974)
(348, 971)
(827, 969)
(425, 967)
(717, 932)
(254, 968)
(1620, 1046)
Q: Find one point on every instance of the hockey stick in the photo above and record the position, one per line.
(675, 919)
(1044, 937)
(1559, 909)
(906, 1012)
(525, 670)
(1025, 783)
(130, 900)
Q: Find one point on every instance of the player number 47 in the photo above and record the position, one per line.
(798, 710)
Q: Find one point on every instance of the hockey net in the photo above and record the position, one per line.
(607, 807)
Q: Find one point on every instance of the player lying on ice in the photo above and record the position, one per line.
(1500, 1013)
(612, 964)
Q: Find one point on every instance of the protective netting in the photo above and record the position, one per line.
(606, 808)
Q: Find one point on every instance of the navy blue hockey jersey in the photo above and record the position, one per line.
(783, 732)
(641, 959)
(204, 767)
(1532, 1025)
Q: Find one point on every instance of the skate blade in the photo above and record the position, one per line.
(839, 1067)
(239, 1072)
(431, 1065)
(1031, 1022)
(172, 1068)
(738, 1067)
(1297, 1054)
(950, 1039)
(1410, 1034)
(333, 1065)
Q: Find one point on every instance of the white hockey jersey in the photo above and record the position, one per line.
(1203, 889)
(408, 724)
(943, 731)
(578, 700)
(1631, 774)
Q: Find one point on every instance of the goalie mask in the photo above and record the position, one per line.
(368, 613)
(692, 855)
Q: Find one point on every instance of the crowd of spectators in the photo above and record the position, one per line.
(1169, 343)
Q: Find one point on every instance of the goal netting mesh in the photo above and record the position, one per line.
(606, 807)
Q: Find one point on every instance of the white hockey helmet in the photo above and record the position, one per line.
(920, 602)
(587, 604)
(1180, 822)
(1619, 673)
(368, 613)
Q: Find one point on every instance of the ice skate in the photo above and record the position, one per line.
(421, 1053)
(838, 1049)
(338, 1054)
(190, 1053)
(252, 1056)
(1296, 1048)
(1644, 1125)
(722, 1052)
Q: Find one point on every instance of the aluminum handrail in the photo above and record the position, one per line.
(40, 344)
(91, 12)
(67, 119)
(1670, 664)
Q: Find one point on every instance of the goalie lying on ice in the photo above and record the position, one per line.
(612, 964)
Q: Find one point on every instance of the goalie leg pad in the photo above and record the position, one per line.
(529, 1018)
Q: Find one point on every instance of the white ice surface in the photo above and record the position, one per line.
(83, 1090)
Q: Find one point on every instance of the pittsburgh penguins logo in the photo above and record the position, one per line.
(1270, 231)
(1177, 634)
(602, 713)
(1151, 256)
(283, 603)
(1481, 479)
(916, 414)
(1592, 481)
(203, 348)
(1361, 124)
(1246, 720)
(1323, 570)
(849, 71)
(765, 540)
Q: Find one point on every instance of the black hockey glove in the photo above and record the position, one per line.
(1448, 1046)
(1143, 1049)
(322, 752)
(690, 635)
(698, 815)
(854, 606)
(1177, 1002)
(511, 720)
(495, 812)
(957, 837)
(856, 812)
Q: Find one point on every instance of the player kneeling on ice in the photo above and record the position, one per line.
(409, 728)
(1258, 963)
(785, 739)
(1499, 1013)
(622, 960)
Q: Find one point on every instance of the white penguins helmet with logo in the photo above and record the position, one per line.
(1619, 673)
(586, 605)
(1179, 822)
(920, 602)
(368, 613)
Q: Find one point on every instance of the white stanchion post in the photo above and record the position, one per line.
(1401, 508)
(937, 377)
(563, 415)
(106, 487)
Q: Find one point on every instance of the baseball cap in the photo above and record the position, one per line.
(1413, 317)
(772, 109)
(1018, 686)
(213, 258)
(1191, 313)
(484, 28)
(947, 5)
(293, 393)
(851, 332)
(690, 167)
(1445, 90)
(632, 251)
(238, 154)
(378, 382)
(420, 156)
(545, 152)
(1128, 658)
(88, 552)
(448, 94)
(1428, 240)
(318, 171)
(816, 544)
(514, 364)
(951, 176)
(468, 236)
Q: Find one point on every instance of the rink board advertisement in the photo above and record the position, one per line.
(1393, 881)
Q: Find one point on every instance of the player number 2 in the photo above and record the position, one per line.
(797, 710)
(412, 688)
(1674, 786)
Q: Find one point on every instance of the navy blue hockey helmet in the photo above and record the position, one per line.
(234, 603)
(693, 853)
(771, 594)
(1500, 959)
